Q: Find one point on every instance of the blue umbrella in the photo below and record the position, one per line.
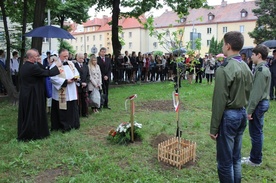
(49, 31)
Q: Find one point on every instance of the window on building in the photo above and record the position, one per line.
(208, 42)
(155, 44)
(76, 39)
(87, 47)
(244, 13)
(130, 34)
(130, 45)
(211, 16)
(182, 20)
(93, 28)
(87, 38)
(101, 45)
(94, 38)
(77, 48)
(88, 29)
(81, 40)
(122, 35)
(100, 37)
(224, 30)
(81, 47)
(242, 28)
(209, 30)
(167, 33)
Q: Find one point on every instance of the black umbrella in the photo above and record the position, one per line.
(179, 51)
(270, 44)
(49, 31)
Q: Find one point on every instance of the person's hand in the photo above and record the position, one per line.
(249, 117)
(70, 81)
(213, 137)
(83, 85)
(105, 77)
(58, 63)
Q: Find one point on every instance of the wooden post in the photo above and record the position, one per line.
(132, 119)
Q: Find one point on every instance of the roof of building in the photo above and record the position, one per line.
(222, 13)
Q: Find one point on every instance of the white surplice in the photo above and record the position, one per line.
(57, 81)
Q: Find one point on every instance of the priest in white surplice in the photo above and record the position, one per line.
(64, 113)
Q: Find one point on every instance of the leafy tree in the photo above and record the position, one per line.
(212, 46)
(215, 47)
(66, 45)
(77, 11)
(265, 26)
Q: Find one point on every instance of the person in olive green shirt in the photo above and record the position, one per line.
(258, 104)
(233, 83)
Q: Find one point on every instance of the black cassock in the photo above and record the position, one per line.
(32, 117)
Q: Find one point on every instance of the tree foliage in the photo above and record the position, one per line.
(215, 46)
(266, 25)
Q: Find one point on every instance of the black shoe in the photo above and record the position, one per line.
(106, 107)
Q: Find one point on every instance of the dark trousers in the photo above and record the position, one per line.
(256, 131)
(15, 81)
(105, 87)
(83, 103)
(273, 87)
(199, 77)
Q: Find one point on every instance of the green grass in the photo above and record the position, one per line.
(85, 155)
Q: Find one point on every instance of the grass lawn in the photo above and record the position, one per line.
(85, 155)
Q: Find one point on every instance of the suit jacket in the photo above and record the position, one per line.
(84, 76)
(105, 66)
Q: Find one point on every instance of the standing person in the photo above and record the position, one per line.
(198, 67)
(46, 60)
(258, 104)
(2, 64)
(95, 82)
(272, 67)
(105, 66)
(64, 112)
(82, 84)
(228, 121)
(210, 69)
(14, 64)
(134, 63)
(140, 66)
(32, 117)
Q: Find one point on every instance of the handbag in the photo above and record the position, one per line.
(95, 98)
(48, 87)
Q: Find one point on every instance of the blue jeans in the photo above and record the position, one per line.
(229, 143)
(256, 131)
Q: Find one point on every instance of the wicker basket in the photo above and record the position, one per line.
(176, 151)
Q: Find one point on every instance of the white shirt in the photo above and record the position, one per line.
(14, 63)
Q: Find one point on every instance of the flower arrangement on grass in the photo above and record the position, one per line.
(122, 135)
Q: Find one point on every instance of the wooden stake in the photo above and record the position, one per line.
(132, 119)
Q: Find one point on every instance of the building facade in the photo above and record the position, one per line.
(205, 23)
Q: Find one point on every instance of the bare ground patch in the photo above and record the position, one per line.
(156, 105)
(49, 176)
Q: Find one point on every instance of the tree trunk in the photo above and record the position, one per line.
(6, 75)
(115, 28)
(24, 22)
(39, 17)
(23, 31)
